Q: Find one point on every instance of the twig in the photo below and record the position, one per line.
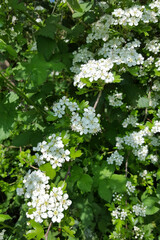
(46, 235)
(70, 8)
(68, 173)
(146, 109)
(97, 100)
(126, 167)
(55, 6)
(30, 164)
(126, 173)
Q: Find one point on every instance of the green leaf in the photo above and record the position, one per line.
(52, 235)
(46, 46)
(150, 203)
(27, 138)
(158, 174)
(86, 81)
(117, 78)
(77, 14)
(75, 5)
(158, 191)
(104, 171)
(47, 168)
(134, 70)
(4, 217)
(57, 65)
(87, 216)
(157, 73)
(16, 5)
(62, 184)
(76, 173)
(85, 183)
(68, 231)
(117, 183)
(51, 117)
(8, 114)
(7, 48)
(50, 29)
(77, 30)
(143, 102)
(86, 6)
(104, 191)
(11, 51)
(75, 154)
(38, 231)
(37, 70)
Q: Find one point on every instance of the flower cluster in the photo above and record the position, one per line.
(130, 188)
(130, 120)
(82, 55)
(157, 64)
(115, 99)
(83, 122)
(60, 107)
(49, 205)
(138, 233)
(153, 158)
(35, 183)
(93, 71)
(143, 174)
(119, 213)
(52, 150)
(156, 86)
(115, 157)
(88, 123)
(100, 29)
(153, 46)
(43, 204)
(117, 197)
(122, 55)
(139, 210)
(141, 153)
(156, 127)
(2, 234)
(155, 5)
(136, 140)
(132, 16)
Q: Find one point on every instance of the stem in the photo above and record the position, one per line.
(146, 109)
(68, 173)
(30, 165)
(97, 100)
(46, 235)
(55, 6)
(126, 173)
(126, 167)
(70, 8)
(21, 94)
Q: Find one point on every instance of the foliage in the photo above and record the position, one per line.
(80, 119)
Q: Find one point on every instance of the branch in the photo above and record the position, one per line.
(46, 235)
(70, 8)
(146, 109)
(68, 173)
(30, 165)
(97, 100)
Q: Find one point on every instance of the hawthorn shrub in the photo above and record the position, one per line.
(80, 119)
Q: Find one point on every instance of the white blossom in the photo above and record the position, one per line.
(115, 157)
